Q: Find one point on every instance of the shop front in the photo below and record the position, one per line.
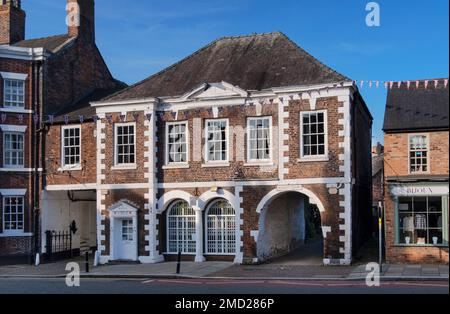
(417, 223)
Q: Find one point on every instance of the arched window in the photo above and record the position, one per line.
(221, 228)
(181, 228)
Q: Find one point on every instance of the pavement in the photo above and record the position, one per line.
(226, 270)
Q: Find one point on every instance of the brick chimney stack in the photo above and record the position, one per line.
(12, 22)
(81, 19)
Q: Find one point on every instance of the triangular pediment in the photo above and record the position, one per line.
(123, 206)
(214, 91)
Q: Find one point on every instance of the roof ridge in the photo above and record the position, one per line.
(187, 58)
(45, 37)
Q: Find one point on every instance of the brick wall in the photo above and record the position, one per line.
(396, 164)
(54, 176)
(396, 153)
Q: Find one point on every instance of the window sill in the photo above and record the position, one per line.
(70, 168)
(176, 166)
(125, 167)
(259, 164)
(216, 165)
(318, 159)
(16, 110)
(15, 235)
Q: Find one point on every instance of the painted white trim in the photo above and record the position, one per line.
(13, 192)
(19, 170)
(260, 161)
(16, 235)
(18, 134)
(16, 110)
(324, 157)
(14, 76)
(20, 53)
(177, 164)
(13, 128)
(313, 199)
(208, 196)
(168, 198)
(93, 186)
(205, 231)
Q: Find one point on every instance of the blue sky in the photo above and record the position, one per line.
(140, 37)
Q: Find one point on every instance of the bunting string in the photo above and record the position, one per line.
(174, 115)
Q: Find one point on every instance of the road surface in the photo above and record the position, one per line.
(199, 287)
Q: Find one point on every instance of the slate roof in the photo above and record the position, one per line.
(83, 107)
(51, 43)
(377, 164)
(254, 62)
(417, 108)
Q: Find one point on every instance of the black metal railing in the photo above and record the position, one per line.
(58, 245)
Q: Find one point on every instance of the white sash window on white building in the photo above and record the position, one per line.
(181, 228)
(221, 228)
(217, 140)
(259, 139)
(13, 211)
(71, 146)
(177, 143)
(418, 153)
(313, 126)
(13, 148)
(125, 144)
(14, 93)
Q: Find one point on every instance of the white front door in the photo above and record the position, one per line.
(126, 242)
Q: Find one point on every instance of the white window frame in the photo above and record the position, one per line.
(18, 105)
(5, 166)
(227, 145)
(428, 153)
(233, 232)
(168, 125)
(14, 232)
(185, 220)
(116, 156)
(63, 155)
(323, 157)
(256, 161)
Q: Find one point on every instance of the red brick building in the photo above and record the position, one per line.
(242, 151)
(223, 156)
(416, 172)
(39, 78)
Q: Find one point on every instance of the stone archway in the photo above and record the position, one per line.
(290, 223)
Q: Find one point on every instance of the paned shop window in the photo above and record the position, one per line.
(221, 228)
(422, 220)
(181, 228)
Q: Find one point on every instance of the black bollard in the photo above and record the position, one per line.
(179, 263)
(87, 262)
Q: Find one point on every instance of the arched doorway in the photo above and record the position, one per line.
(181, 228)
(290, 230)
